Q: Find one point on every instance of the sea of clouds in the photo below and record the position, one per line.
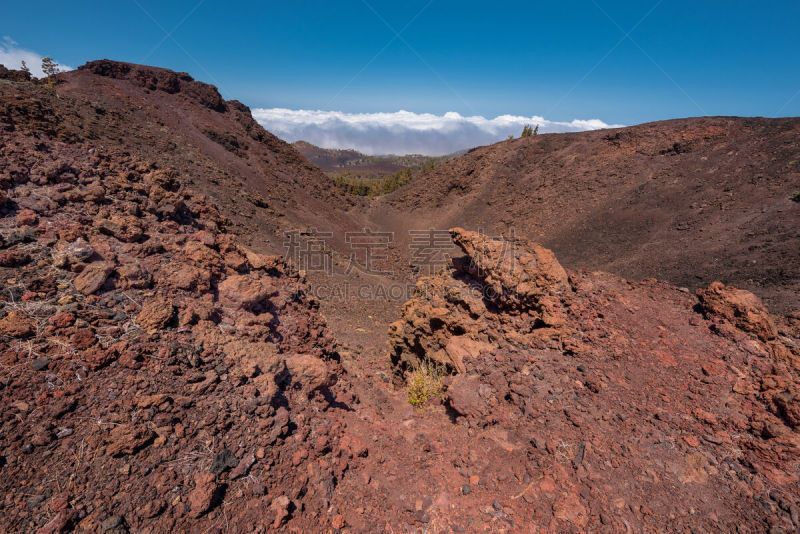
(404, 132)
(12, 56)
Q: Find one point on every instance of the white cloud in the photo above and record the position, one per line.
(12, 56)
(404, 132)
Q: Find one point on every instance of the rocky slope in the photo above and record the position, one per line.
(261, 183)
(689, 201)
(159, 373)
(592, 403)
(153, 367)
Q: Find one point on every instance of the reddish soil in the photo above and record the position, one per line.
(163, 370)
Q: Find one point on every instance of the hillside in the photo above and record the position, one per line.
(261, 182)
(161, 372)
(689, 201)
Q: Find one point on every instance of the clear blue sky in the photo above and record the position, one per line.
(561, 60)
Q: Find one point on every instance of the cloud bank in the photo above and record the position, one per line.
(404, 132)
(12, 56)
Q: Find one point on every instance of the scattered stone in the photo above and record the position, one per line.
(27, 218)
(245, 292)
(223, 461)
(40, 364)
(243, 466)
(93, 277)
(14, 258)
(17, 324)
(569, 508)
(128, 439)
(156, 313)
(114, 524)
(280, 505)
(202, 497)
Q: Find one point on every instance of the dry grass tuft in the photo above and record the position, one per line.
(424, 383)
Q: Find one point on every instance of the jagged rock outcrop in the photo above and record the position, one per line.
(156, 79)
(500, 293)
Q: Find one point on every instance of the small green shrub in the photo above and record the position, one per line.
(528, 130)
(796, 196)
(424, 383)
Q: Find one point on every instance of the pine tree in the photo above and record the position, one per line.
(50, 69)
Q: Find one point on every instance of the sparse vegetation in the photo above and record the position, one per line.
(50, 69)
(527, 131)
(796, 196)
(424, 383)
(24, 67)
(372, 186)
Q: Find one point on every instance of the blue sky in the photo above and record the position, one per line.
(623, 62)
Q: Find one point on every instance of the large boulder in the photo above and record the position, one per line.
(515, 273)
(453, 316)
(738, 307)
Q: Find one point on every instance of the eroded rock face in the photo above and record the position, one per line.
(739, 308)
(515, 275)
(500, 293)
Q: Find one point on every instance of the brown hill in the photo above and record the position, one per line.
(159, 374)
(259, 181)
(689, 201)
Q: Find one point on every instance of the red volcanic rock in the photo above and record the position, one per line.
(14, 258)
(82, 339)
(17, 324)
(156, 313)
(464, 398)
(202, 496)
(93, 277)
(262, 261)
(308, 373)
(244, 291)
(62, 320)
(515, 274)
(27, 218)
(124, 228)
(739, 308)
(183, 276)
(71, 253)
(128, 439)
(519, 278)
